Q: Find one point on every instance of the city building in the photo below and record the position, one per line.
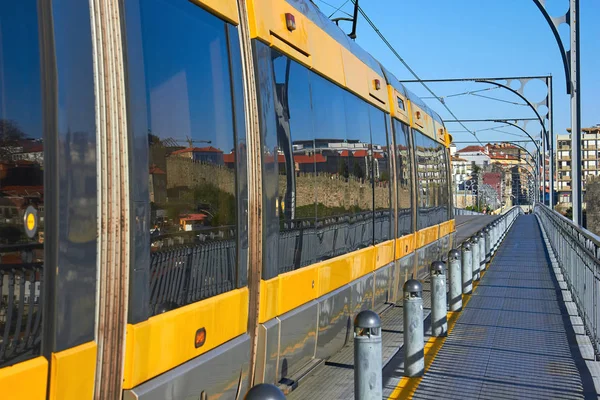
(590, 163)
(477, 155)
(461, 170)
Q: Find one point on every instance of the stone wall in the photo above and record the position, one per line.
(183, 172)
(330, 190)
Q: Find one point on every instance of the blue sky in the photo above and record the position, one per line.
(475, 38)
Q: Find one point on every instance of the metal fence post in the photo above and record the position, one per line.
(454, 275)
(264, 391)
(467, 268)
(368, 384)
(481, 252)
(414, 362)
(439, 306)
(488, 244)
(496, 237)
(475, 256)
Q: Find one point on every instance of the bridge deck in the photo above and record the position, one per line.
(467, 225)
(514, 339)
(518, 336)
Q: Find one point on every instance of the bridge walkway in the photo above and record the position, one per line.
(518, 336)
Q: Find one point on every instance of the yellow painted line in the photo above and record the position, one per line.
(407, 387)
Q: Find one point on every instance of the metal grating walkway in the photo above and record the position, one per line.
(514, 339)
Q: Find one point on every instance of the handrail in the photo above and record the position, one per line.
(577, 252)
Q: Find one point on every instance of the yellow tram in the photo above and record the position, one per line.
(198, 196)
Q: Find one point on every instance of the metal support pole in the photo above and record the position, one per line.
(368, 383)
(467, 268)
(414, 361)
(551, 128)
(455, 292)
(488, 243)
(481, 253)
(475, 252)
(265, 391)
(575, 113)
(439, 306)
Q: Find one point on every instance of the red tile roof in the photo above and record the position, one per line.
(155, 170)
(470, 149)
(193, 217)
(229, 158)
(208, 149)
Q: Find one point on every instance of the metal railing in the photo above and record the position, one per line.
(20, 304)
(462, 211)
(186, 274)
(578, 254)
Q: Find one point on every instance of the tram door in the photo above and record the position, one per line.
(48, 200)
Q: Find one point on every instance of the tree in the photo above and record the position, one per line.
(10, 135)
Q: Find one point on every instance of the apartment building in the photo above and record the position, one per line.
(590, 162)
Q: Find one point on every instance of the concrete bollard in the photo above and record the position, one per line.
(455, 278)
(264, 391)
(467, 268)
(414, 361)
(481, 252)
(475, 256)
(439, 305)
(487, 232)
(368, 384)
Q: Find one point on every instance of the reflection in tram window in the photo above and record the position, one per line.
(432, 183)
(404, 178)
(382, 222)
(318, 194)
(21, 183)
(296, 161)
(182, 101)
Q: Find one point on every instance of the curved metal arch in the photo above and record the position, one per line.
(528, 152)
(522, 130)
(554, 23)
(541, 120)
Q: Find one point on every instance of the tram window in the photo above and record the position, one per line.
(381, 176)
(182, 99)
(331, 142)
(432, 181)
(297, 163)
(404, 178)
(359, 193)
(21, 183)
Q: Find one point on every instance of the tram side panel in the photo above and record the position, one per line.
(187, 129)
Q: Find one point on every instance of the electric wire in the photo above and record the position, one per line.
(393, 50)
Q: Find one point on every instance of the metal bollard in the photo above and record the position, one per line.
(368, 384)
(488, 244)
(481, 252)
(475, 256)
(439, 305)
(414, 361)
(495, 236)
(264, 391)
(467, 268)
(454, 275)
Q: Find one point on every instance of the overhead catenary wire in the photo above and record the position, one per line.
(393, 50)
(335, 7)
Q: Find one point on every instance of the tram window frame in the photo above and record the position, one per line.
(330, 105)
(401, 129)
(219, 40)
(380, 234)
(22, 120)
(438, 204)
